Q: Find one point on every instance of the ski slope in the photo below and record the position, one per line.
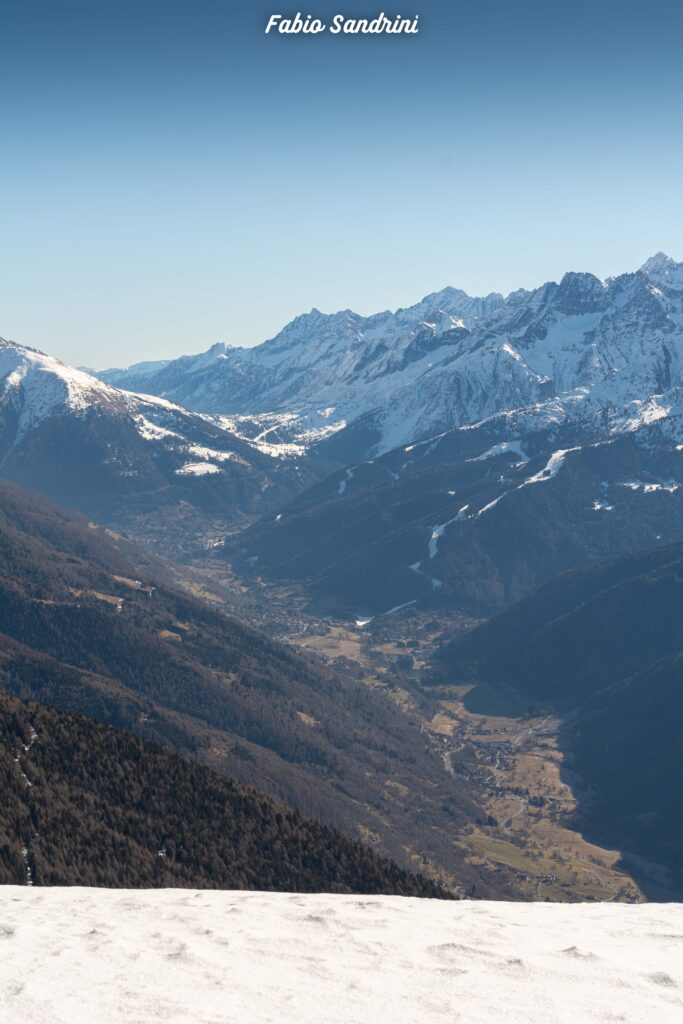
(103, 956)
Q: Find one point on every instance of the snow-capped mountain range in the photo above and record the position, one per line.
(580, 349)
(551, 436)
(315, 363)
(575, 363)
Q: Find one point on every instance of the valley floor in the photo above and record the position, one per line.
(510, 760)
(530, 795)
(185, 957)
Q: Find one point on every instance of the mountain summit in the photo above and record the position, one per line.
(660, 261)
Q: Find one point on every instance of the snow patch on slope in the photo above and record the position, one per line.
(149, 431)
(552, 467)
(201, 452)
(282, 435)
(198, 469)
(669, 487)
(504, 448)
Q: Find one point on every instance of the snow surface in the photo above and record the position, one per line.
(502, 449)
(149, 431)
(202, 452)
(282, 435)
(97, 956)
(438, 531)
(198, 469)
(399, 607)
(552, 467)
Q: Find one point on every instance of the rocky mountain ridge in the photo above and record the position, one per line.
(581, 348)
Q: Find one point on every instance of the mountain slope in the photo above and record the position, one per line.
(626, 741)
(605, 645)
(475, 518)
(611, 620)
(85, 804)
(598, 348)
(102, 450)
(83, 628)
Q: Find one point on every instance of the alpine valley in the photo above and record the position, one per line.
(414, 575)
(482, 444)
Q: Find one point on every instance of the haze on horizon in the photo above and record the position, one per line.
(173, 177)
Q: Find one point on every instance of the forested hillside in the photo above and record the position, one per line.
(86, 804)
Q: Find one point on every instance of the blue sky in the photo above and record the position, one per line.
(172, 177)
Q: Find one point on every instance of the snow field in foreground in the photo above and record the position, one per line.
(99, 956)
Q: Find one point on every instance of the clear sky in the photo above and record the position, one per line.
(171, 177)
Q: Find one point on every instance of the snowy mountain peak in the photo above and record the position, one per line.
(454, 302)
(37, 385)
(581, 293)
(664, 272)
(655, 264)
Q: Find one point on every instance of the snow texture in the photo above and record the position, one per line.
(505, 447)
(38, 385)
(183, 957)
(197, 469)
(438, 532)
(552, 468)
(670, 487)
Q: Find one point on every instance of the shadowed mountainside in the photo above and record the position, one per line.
(86, 627)
(605, 645)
